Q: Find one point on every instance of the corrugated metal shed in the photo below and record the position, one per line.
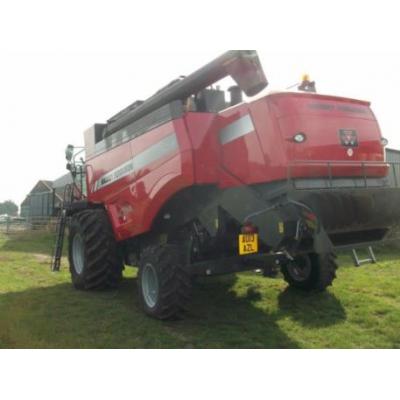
(45, 198)
(25, 207)
(393, 156)
(58, 186)
(41, 199)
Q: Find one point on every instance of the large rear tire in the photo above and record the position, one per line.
(93, 254)
(310, 272)
(164, 283)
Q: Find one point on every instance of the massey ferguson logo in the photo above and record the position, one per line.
(348, 137)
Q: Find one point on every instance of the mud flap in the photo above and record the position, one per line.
(322, 243)
(243, 204)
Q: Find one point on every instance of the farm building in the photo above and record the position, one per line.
(44, 200)
(41, 199)
(25, 207)
(59, 186)
(393, 156)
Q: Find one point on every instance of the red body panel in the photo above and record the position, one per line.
(234, 152)
(202, 132)
(133, 201)
(243, 145)
(321, 118)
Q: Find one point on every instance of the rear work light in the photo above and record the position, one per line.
(299, 137)
(384, 142)
(249, 228)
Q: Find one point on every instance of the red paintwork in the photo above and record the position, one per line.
(260, 156)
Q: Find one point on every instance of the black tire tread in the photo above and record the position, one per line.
(323, 273)
(174, 281)
(103, 264)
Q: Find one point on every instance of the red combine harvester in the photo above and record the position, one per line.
(187, 184)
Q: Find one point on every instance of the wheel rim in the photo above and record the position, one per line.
(150, 285)
(78, 253)
(300, 268)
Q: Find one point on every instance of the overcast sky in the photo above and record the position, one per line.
(60, 73)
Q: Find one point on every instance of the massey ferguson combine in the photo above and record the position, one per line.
(189, 184)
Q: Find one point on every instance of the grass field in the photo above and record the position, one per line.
(40, 309)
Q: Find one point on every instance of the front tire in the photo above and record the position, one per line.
(164, 283)
(93, 254)
(310, 272)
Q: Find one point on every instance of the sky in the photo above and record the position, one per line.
(57, 78)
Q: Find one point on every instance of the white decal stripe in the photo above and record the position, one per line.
(237, 129)
(165, 146)
(161, 149)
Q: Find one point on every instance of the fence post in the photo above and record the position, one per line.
(8, 221)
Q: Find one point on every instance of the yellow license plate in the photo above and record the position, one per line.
(248, 243)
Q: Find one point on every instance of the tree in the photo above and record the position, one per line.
(8, 207)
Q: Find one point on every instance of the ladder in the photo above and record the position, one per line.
(370, 260)
(60, 229)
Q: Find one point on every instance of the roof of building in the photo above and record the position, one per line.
(47, 183)
(42, 186)
(62, 181)
(45, 186)
(26, 201)
(392, 150)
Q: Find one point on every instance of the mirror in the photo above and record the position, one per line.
(69, 152)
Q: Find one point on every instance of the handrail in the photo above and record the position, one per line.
(392, 176)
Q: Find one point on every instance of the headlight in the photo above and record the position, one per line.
(384, 142)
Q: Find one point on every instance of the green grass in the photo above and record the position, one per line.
(40, 309)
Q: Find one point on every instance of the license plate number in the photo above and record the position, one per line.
(248, 243)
